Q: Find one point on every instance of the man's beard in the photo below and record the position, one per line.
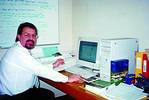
(30, 44)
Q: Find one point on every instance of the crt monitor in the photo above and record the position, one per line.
(88, 53)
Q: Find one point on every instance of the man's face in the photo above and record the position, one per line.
(28, 38)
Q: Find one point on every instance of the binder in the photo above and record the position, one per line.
(139, 63)
(145, 66)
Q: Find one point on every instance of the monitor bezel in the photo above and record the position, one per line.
(86, 63)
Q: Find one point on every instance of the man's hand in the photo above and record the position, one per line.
(58, 62)
(74, 78)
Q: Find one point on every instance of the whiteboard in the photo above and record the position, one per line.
(42, 13)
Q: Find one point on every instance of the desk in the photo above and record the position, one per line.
(75, 90)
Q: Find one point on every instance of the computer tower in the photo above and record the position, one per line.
(117, 51)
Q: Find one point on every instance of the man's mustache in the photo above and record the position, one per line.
(30, 41)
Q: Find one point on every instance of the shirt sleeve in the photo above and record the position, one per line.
(26, 61)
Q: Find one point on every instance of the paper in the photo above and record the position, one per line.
(121, 92)
(124, 92)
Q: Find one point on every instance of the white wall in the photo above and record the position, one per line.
(65, 24)
(111, 19)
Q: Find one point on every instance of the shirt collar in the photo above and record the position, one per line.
(19, 45)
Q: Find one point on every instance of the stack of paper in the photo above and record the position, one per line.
(121, 92)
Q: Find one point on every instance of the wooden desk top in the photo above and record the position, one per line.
(75, 90)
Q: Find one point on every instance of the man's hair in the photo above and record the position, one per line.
(26, 24)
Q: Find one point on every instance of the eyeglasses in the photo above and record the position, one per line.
(27, 35)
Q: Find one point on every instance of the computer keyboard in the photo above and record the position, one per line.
(84, 72)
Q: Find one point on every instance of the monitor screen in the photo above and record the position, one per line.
(87, 51)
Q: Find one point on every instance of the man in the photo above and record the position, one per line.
(19, 70)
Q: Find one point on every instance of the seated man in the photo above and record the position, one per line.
(19, 70)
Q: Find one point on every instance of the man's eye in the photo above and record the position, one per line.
(34, 36)
(26, 35)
